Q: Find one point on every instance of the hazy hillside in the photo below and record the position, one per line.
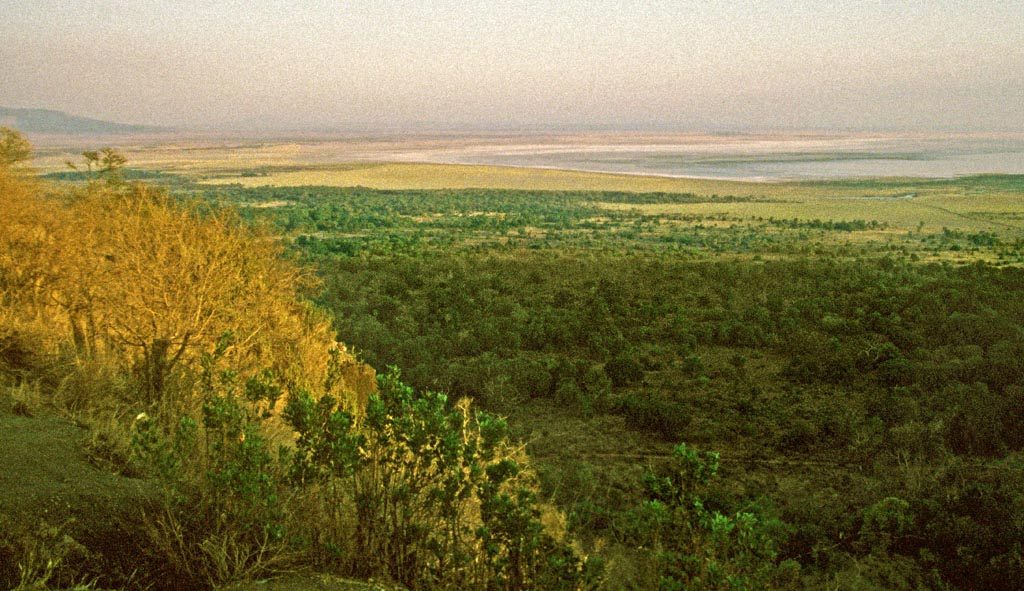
(47, 121)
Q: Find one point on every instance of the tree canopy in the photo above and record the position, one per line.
(14, 148)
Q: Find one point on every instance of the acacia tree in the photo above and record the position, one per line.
(127, 274)
(92, 158)
(166, 281)
(111, 159)
(14, 148)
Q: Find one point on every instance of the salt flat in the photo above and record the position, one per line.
(746, 157)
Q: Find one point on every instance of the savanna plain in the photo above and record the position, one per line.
(261, 365)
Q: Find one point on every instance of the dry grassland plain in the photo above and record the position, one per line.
(900, 203)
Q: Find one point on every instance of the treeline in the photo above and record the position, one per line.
(333, 221)
(841, 226)
(334, 210)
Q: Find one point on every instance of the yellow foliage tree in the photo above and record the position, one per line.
(128, 275)
(27, 271)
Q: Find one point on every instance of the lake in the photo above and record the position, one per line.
(746, 157)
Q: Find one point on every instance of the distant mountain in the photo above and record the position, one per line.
(47, 121)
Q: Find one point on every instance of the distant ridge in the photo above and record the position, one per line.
(47, 121)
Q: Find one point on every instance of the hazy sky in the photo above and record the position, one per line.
(704, 65)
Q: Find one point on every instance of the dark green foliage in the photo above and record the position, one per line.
(700, 548)
(664, 417)
(883, 361)
(128, 174)
(623, 370)
(326, 446)
(886, 360)
(225, 513)
(886, 524)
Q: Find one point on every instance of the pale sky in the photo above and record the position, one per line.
(680, 65)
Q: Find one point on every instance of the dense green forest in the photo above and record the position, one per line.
(866, 404)
(669, 400)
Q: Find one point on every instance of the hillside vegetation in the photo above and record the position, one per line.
(258, 444)
(697, 392)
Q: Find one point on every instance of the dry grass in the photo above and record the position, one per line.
(902, 215)
(403, 175)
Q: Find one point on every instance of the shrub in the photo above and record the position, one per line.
(692, 365)
(800, 435)
(623, 370)
(39, 556)
(698, 548)
(440, 498)
(885, 523)
(977, 423)
(660, 416)
(224, 514)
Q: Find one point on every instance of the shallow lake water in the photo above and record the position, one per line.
(757, 157)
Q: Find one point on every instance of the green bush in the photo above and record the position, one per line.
(440, 498)
(699, 548)
(224, 516)
(657, 415)
(623, 370)
(885, 524)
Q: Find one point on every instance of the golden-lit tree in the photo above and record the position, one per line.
(27, 241)
(126, 274)
(157, 284)
(172, 281)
